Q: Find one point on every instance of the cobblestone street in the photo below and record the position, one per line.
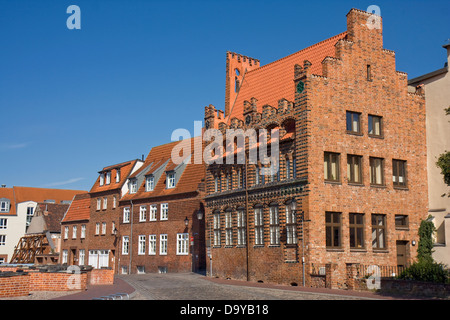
(191, 286)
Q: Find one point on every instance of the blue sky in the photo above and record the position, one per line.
(75, 101)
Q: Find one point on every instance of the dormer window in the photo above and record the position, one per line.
(170, 180)
(108, 177)
(149, 183)
(4, 205)
(133, 186)
(102, 179)
(117, 175)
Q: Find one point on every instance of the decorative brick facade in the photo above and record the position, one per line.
(360, 187)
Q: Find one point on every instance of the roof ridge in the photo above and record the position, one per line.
(310, 47)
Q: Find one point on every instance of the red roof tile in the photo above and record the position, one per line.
(274, 81)
(125, 170)
(79, 208)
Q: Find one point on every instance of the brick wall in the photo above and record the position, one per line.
(14, 286)
(101, 277)
(57, 281)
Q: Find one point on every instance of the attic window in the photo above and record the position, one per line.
(133, 186)
(4, 205)
(149, 183)
(108, 177)
(102, 179)
(170, 180)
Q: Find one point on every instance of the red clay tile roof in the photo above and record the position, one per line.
(40, 194)
(8, 193)
(189, 181)
(274, 81)
(125, 169)
(79, 208)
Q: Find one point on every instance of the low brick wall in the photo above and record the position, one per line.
(22, 283)
(57, 281)
(15, 286)
(101, 276)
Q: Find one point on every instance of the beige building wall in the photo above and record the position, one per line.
(437, 95)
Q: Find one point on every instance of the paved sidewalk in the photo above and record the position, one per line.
(97, 291)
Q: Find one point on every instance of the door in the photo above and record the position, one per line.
(402, 258)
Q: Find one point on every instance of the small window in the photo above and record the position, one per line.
(153, 209)
(105, 203)
(375, 126)
(108, 177)
(369, 72)
(66, 232)
(378, 231)
(97, 228)
(353, 122)
(401, 221)
(164, 211)
(141, 245)
(74, 232)
(259, 226)
(152, 244)
(4, 205)
(356, 230)
(274, 225)
(117, 175)
(126, 215)
(182, 243)
(399, 173)
(163, 244)
(331, 166)
(133, 186)
(149, 183)
(3, 223)
(171, 180)
(228, 228)
(241, 227)
(333, 229)
(103, 227)
(142, 213)
(83, 231)
(216, 225)
(354, 169)
(102, 179)
(99, 203)
(376, 171)
(125, 244)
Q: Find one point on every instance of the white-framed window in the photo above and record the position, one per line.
(97, 228)
(125, 244)
(133, 185)
(170, 180)
(259, 226)
(228, 228)
(108, 177)
(103, 227)
(153, 210)
(3, 223)
(99, 203)
(114, 202)
(241, 227)
(66, 232)
(81, 257)
(142, 213)
(274, 225)
(105, 203)
(117, 175)
(98, 258)
(74, 232)
(83, 231)
(2, 240)
(102, 179)
(164, 211)
(182, 243)
(140, 269)
(126, 215)
(4, 205)
(30, 214)
(152, 244)
(216, 223)
(141, 245)
(163, 244)
(65, 256)
(149, 183)
(291, 226)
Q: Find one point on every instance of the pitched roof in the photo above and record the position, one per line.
(189, 181)
(274, 81)
(125, 169)
(79, 208)
(41, 194)
(52, 214)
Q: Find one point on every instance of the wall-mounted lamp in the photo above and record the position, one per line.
(199, 214)
(186, 221)
(413, 242)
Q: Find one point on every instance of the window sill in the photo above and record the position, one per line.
(362, 250)
(380, 251)
(335, 250)
(380, 186)
(354, 133)
(402, 228)
(256, 246)
(333, 182)
(356, 184)
(274, 246)
(401, 188)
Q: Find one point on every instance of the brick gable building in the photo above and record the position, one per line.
(352, 184)
(159, 227)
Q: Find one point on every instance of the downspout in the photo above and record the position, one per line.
(131, 237)
(246, 215)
